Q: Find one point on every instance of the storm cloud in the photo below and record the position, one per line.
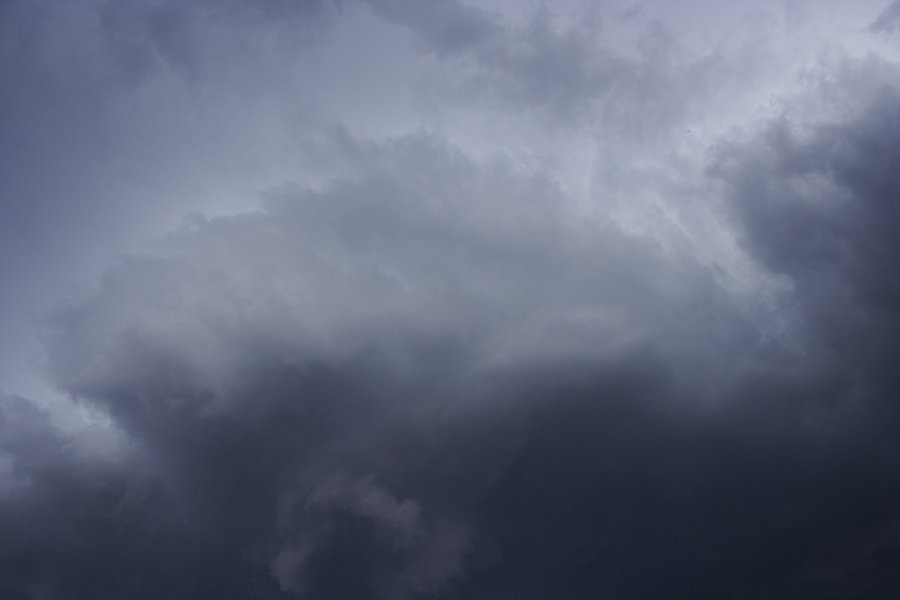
(576, 301)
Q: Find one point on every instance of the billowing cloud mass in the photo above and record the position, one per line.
(450, 300)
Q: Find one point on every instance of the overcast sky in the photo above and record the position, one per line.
(401, 299)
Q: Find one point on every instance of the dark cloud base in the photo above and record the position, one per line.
(595, 487)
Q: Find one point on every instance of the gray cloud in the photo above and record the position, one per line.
(887, 20)
(425, 364)
(815, 204)
(457, 345)
(615, 72)
(409, 556)
(141, 37)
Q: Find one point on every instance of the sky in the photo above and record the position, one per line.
(494, 300)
